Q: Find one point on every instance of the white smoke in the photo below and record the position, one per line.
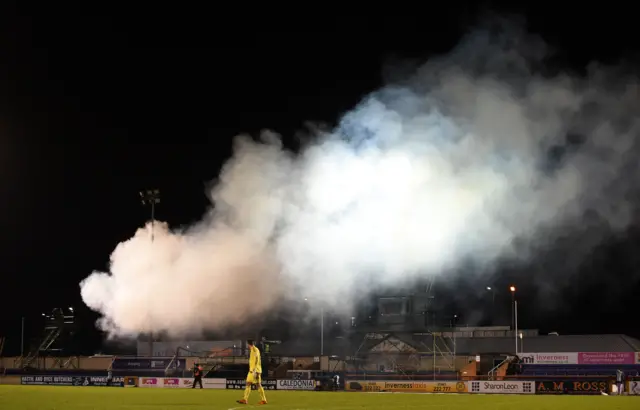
(456, 163)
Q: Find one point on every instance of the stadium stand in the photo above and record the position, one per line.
(578, 370)
(467, 345)
(448, 355)
(547, 344)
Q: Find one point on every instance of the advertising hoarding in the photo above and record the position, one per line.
(409, 386)
(267, 384)
(582, 358)
(72, 381)
(502, 387)
(179, 383)
(292, 384)
(576, 386)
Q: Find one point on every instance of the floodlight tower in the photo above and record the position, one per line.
(151, 197)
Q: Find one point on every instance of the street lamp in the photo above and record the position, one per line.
(151, 197)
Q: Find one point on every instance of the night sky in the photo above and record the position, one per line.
(95, 108)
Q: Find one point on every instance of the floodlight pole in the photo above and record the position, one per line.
(515, 308)
(151, 197)
(321, 331)
(512, 289)
(22, 338)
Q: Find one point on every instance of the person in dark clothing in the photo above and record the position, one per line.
(514, 368)
(620, 379)
(197, 375)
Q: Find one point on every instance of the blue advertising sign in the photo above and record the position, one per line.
(148, 364)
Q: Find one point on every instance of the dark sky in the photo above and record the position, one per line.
(95, 106)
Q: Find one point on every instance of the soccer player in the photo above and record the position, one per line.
(255, 374)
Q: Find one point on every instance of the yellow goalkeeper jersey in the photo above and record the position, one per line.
(255, 365)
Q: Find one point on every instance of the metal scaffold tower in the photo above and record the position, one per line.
(406, 338)
(405, 353)
(59, 325)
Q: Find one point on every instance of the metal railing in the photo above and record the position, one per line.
(493, 371)
(111, 364)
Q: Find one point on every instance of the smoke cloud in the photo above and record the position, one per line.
(477, 151)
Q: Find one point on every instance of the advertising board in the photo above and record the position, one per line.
(409, 386)
(211, 383)
(606, 358)
(573, 386)
(150, 382)
(179, 383)
(292, 384)
(503, 387)
(172, 382)
(51, 380)
(549, 358)
(72, 381)
(267, 384)
(148, 364)
(586, 358)
(633, 388)
(130, 381)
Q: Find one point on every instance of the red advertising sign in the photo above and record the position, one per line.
(149, 381)
(606, 358)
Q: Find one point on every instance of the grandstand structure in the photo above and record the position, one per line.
(59, 326)
(405, 341)
(401, 343)
(373, 356)
(461, 352)
(401, 337)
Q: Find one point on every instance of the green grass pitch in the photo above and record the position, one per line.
(99, 398)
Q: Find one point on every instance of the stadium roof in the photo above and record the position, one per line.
(463, 345)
